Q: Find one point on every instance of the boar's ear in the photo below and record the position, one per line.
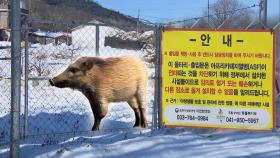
(89, 63)
(86, 65)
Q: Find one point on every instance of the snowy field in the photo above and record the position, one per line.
(164, 144)
(55, 111)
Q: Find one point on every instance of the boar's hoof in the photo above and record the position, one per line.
(95, 128)
(144, 125)
(136, 126)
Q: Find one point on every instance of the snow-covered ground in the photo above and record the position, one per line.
(166, 143)
(52, 110)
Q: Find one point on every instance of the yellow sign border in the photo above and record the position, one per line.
(220, 30)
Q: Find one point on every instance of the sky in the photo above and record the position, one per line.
(174, 10)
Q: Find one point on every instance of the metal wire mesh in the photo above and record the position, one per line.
(48, 108)
(56, 111)
(115, 41)
(52, 110)
(5, 93)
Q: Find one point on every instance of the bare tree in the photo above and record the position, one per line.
(38, 63)
(229, 14)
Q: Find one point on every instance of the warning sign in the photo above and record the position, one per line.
(217, 79)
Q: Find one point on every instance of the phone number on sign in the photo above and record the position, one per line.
(191, 117)
(242, 120)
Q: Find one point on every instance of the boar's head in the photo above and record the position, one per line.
(75, 76)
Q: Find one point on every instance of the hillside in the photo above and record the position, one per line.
(74, 13)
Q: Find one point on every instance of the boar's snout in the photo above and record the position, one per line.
(58, 82)
(51, 82)
(61, 81)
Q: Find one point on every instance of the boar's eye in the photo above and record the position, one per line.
(73, 70)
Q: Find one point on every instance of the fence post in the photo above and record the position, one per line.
(26, 73)
(277, 87)
(157, 122)
(97, 40)
(277, 67)
(277, 34)
(15, 77)
(277, 52)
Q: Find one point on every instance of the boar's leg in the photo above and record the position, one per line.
(99, 108)
(96, 124)
(142, 107)
(99, 112)
(97, 118)
(133, 104)
(137, 117)
(144, 118)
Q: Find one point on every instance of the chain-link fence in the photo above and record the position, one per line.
(5, 94)
(46, 110)
(52, 110)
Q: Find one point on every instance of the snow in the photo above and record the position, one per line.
(5, 44)
(165, 143)
(53, 110)
(50, 34)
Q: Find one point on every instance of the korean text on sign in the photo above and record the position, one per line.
(218, 79)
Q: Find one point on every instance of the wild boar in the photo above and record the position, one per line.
(108, 80)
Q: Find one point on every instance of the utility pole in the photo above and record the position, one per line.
(263, 13)
(208, 13)
(138, 18)
(225, 10)
(29, 7)
(15, 72)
